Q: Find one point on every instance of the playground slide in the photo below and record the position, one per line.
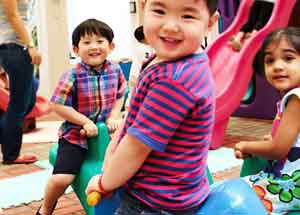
(40, 108)
(232, 71)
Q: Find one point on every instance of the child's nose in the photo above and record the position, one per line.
(94, 45)
(171, 25)
(278, 65)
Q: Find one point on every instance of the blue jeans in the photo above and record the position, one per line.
(131, 205)
(16, 61)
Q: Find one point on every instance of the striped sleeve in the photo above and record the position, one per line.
(164, 108)
(63, 91)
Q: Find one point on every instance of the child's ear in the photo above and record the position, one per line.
(112, 46)
(143, 2)
(75, 50)
(212, 20)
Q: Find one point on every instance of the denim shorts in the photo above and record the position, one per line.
(132, 206)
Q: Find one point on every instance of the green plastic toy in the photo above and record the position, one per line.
(252, 166)
(90, 167)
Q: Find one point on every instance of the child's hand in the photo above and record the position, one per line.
(89, 129)
(113, 124)
(267, 137)
(238, 151)
(93, 185)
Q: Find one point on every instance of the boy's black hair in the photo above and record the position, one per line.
(139, 34)
(92, 26)
(212, 6)
(291, 34)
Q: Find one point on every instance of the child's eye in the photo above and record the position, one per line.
(288, 58)
(187, 16)
(158, 11)
(100, 41)
(268, 61)
(86, 42)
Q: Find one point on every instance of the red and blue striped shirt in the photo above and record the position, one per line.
(90, 92)
(172, 111)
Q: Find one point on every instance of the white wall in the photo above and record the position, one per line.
(113, 12)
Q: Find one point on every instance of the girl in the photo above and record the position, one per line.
(278, 185)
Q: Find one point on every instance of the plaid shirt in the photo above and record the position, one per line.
(90, 92)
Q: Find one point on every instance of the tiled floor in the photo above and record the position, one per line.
(238, 129)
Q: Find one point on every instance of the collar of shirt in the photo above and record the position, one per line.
(91, 70)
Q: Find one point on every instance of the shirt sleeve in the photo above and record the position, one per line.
(63, 92)
(285, 99)
(163, 109)
(121, 85)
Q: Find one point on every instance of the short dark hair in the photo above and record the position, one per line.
(139, 34)
(212, 6)
(92, 26)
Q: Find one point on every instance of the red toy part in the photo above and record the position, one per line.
(232, 70)
(40, 108)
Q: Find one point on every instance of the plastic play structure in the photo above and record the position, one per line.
(232, 70)
(41, 106)
(226, 198)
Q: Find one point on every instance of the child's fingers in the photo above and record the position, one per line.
(82, 132)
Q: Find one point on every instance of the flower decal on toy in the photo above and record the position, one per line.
(288, 187)
(261, 175)
(261, 194)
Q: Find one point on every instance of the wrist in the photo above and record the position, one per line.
(101, 188)
(29, 46)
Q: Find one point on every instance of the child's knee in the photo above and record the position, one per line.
(61, 180)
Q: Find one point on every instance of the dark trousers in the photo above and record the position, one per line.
(16, 62)
(132, 206)
(259, 16)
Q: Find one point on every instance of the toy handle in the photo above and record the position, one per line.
(93, 198)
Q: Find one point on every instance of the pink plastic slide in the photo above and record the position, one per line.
(232, 71)
(41, 106)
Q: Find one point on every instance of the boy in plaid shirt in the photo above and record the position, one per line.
(91, 92)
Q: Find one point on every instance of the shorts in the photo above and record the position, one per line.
(69, 158)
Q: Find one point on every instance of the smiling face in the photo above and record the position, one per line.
(93, 49)
(282, 65)
(175, 28)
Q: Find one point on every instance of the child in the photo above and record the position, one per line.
(91, 92)
(260, 13)
(161, 155)
(279, 182)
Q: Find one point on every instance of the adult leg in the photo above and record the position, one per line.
(17, 63)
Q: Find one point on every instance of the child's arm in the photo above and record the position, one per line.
(131, 151)
(73, 116)
(279, 146)
(114, 118)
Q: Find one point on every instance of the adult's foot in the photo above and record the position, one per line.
(22, 159)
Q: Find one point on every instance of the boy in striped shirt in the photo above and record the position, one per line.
(93, 91)
(160, 157)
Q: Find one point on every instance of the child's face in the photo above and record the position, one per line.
(175, 28)
(282, 65)
(93, 49)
